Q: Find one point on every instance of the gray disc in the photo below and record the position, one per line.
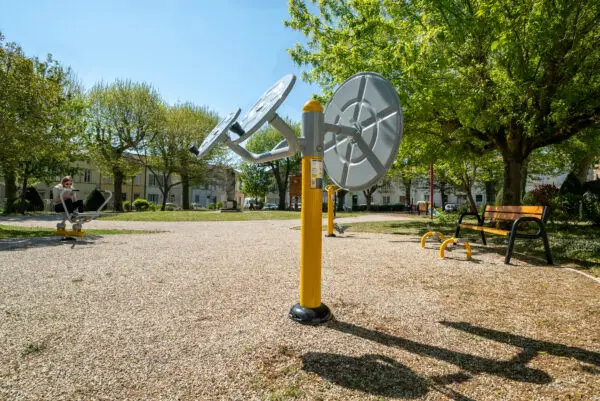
(369, 102)
(218, 134)
(265, 108)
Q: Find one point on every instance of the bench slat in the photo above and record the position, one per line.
(511, 213)
(486, 229)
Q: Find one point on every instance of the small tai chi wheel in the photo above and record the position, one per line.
(457, 242)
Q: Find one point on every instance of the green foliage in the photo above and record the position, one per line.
(94, 200)
(591, 207)
(126, 206)
(211, 206)
(510, 77)
(141, 205)
(219, 205)
(256, 180)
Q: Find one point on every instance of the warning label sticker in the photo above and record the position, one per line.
(316, 173)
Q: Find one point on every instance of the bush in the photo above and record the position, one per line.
(544, 195)
(211, 206)
(35, 202)
(94, 200)
(591, 207)
(219, 205)
(141, 205)
(17, 204)
(152, 207)
(126, 206)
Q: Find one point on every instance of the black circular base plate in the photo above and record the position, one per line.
(313, 316)
(330, 235)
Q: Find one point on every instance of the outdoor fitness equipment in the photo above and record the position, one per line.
(77, 219)
(330, 209)
(356, 140)
(446, 242)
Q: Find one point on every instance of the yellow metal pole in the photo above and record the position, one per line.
(330, 191)
(310, 310)
(311, 243)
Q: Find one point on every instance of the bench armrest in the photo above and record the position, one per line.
(522, 219)
(462, 215)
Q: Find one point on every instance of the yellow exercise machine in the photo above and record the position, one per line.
(446, 241)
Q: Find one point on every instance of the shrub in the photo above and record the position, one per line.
(94, 200)
(219, 205)
(544, 195)
(36, 204)
(152, 207)
(591, 207)
(211, 206)
(141, 205)
(126, 206)
(17, 204)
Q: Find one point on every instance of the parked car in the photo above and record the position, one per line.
(270, 206)
(451, 207)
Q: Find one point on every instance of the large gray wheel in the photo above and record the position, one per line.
(370, 103)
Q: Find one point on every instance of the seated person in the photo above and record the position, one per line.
(69, 197)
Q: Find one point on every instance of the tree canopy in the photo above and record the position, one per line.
(505, 76)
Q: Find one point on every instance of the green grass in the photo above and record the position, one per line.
(206, 215)
(8, 231)
(573, 245)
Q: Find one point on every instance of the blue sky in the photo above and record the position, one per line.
(223, 54)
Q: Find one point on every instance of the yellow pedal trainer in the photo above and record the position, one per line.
(70, 233)
(454, 241)
(435, 234)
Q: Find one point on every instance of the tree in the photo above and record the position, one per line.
(41, 111)
(255, 179)
(510, 77)
(124, 116)
(167, 154)
(265, 140)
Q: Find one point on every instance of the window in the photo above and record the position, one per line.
(478, 198)
(386, 199)
(87, 176)
(107, 179)
(136, 196)
(427, 197)
(137, 180)
(172, 198)
(123, 196)
(153, 198)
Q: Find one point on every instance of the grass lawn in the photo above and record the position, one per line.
(8, 231)
(209, 215)
(572, 245)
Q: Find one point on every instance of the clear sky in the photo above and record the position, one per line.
(222, 54)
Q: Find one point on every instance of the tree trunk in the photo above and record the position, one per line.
(341, 196)
(185, 185)
(513, 168)
(22, 206)
(118, 191)
(10, 186)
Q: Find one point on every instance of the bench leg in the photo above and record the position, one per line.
(511, 245)
(457, 231)
(483, 237)
(546, 245)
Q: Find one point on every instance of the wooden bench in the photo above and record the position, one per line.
(493, 216)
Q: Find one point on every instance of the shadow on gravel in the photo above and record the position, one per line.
(12, 244)
(514, 369)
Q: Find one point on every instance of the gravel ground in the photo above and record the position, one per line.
(199, 312)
